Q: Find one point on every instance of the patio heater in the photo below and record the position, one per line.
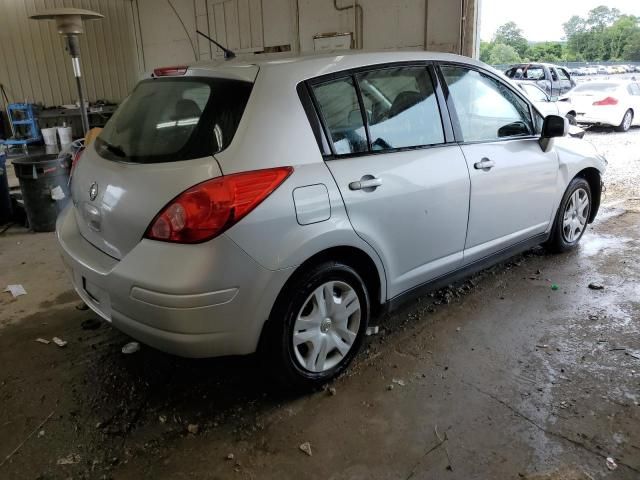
(69, 24)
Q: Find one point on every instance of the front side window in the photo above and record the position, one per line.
(339, 106)
(174, 119)
(562, 73)
(534, 93)
(487, 109)
(402, 109)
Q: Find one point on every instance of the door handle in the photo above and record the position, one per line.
(485, 165)
(368, 183)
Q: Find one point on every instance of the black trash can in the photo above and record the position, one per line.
(5, 198)
(44, 181)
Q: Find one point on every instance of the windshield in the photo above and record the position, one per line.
(597, 87)
(172, 119)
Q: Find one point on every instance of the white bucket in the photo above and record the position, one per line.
(49, 136)
(65, 135)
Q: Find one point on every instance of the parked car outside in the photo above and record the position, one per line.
(547, 105)
(591, 70)
(614, 103)
(279, 206)
(554, 80)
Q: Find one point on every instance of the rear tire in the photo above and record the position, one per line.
(572, 217)
(317, 325)
(626, 122)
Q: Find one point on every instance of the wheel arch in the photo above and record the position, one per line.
(593, 178)
(356, 258)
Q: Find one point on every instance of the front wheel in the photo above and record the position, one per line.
(572, 217)
(318, 325)
(625, 124)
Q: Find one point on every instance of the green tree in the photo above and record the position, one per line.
(546, 52)
(485, 51)
(603, 35)
(602, 17)
(510, 34)
(619, 33)
(632, 48)
(503, 54)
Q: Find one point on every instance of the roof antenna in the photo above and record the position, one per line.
(228, 54)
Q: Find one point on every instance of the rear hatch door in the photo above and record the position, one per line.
(160, 142)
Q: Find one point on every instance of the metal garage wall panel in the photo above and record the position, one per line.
(34, 66)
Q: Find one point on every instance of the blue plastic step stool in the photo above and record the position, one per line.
(25, 124)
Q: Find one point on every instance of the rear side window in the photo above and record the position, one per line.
(173, 119)
(563, 74)
(338, 102)
(634, 89)
(402, 109)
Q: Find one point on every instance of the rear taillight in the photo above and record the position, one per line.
(170, 71)
(209, 208)
(606, 101)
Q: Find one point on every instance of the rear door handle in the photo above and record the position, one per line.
(367, 183)
(485, 165)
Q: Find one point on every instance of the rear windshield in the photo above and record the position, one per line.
(597, 87)
(172, 119)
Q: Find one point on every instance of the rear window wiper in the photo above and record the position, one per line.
(115, 149)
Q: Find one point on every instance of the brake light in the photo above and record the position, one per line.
(606, 101)
(206, 210)
(170, 71)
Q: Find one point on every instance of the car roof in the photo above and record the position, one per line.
(542, 64)
(312, 65)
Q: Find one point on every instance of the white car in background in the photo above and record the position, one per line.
(546, 104)
(613, 102)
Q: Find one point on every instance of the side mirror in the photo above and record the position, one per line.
(555, 126)
(552, 127)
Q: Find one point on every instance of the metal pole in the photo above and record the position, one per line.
(73, 45)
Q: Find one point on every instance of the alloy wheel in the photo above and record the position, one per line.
(326, 326)
(575, 215)
(626, 121)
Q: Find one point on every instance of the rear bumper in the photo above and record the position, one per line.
(202, 300)
(602, 116)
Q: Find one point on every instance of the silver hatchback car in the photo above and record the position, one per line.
(278, 206)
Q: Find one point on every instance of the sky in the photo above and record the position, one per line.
(535, 19)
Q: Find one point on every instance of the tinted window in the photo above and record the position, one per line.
(634, 89)
(486, 108)
(172, 119)
(338, 102)
(402, 109)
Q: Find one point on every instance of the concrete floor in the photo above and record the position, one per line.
(499, 378)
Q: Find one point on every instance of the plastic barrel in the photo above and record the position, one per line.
(44, 181)
(5, 198)
(49, 136)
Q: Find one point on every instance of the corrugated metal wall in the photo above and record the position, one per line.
(35, 67)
